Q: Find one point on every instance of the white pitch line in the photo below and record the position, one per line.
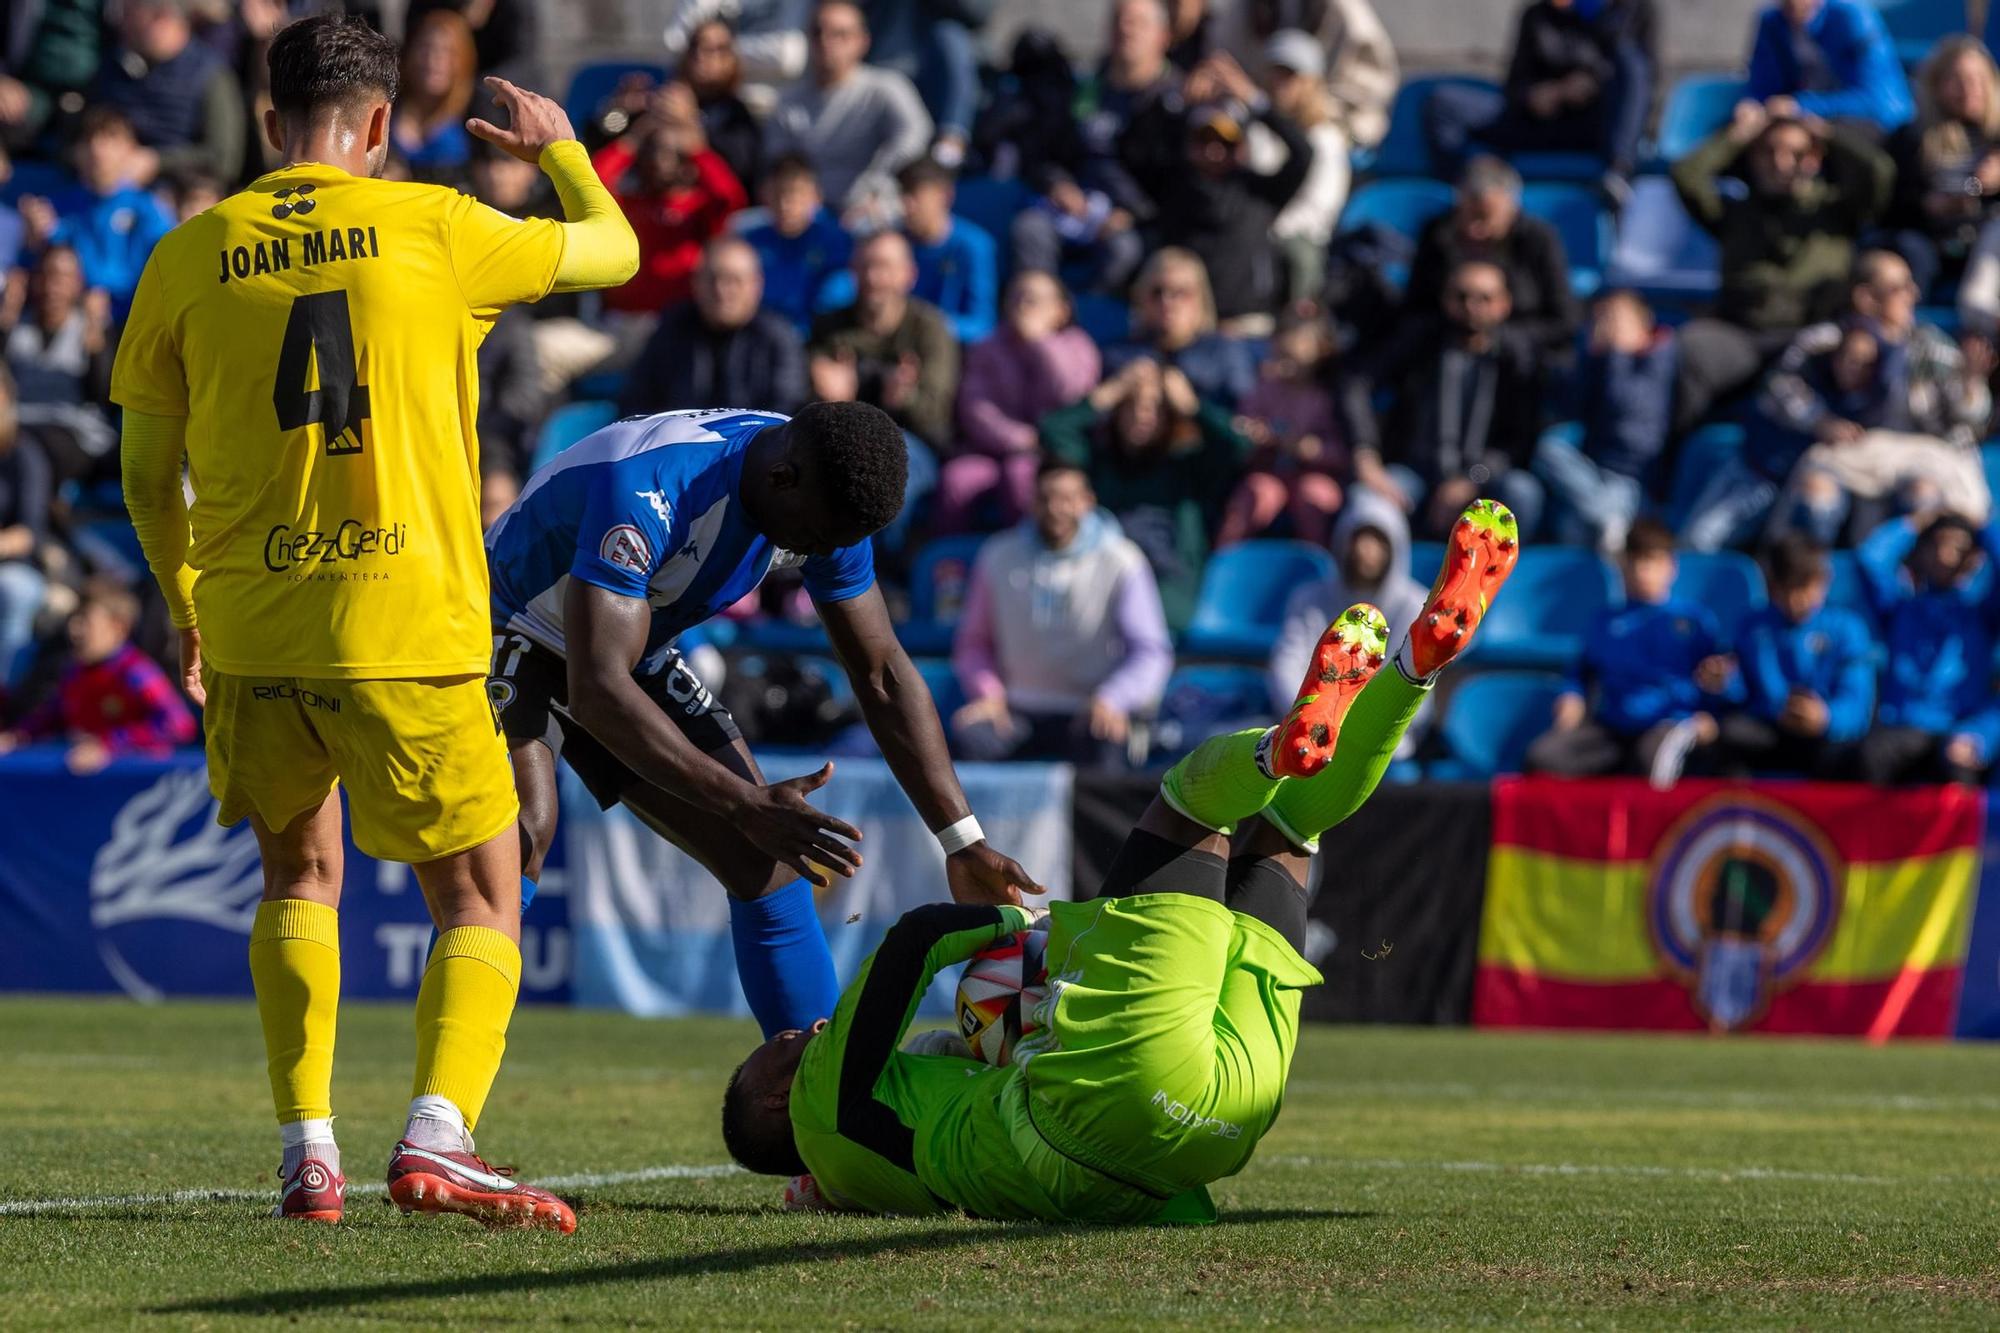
(578, 1180)
(1589, 1169)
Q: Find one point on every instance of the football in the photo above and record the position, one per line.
(999, 993)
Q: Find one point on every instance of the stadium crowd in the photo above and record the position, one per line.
(1227, 285)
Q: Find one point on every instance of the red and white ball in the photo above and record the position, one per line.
(997, 997)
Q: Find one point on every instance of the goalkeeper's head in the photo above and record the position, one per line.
(757, 1107)
(831, 477)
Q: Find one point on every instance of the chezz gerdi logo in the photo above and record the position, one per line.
(289, 548)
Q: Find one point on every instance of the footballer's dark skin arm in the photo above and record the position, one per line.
(606, 634)
(897, 706)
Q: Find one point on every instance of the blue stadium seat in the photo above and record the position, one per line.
(1405, 150)
(1211, 692)
(1701, 454)
(783, 636)
(1728, 583)
(48, 179)
(1917, 25)
(570, 423)
(1243, 595)
(938, 577)
(1584, 168)
(1582, 222)
(991, 204)
(942, 682)
(1106, 319)
(1403, 206)
(1551, 600)
(1697, 106)
(592, 83)
(1489, 721)
(1989, 458)
(1425, 557)
(1660, 250)
(1942, 317)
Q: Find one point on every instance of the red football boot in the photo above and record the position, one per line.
(1348, 656)
(314, 1192)
(1478, 556)
(423, 1180)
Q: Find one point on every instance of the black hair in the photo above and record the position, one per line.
(1649, 536)
(1054, 463)
(1950, 521)
(753, 1153)
(922, 171)
(329, 62)
(858, 461)
(788, 166)
(103, 118)
(1794, 560)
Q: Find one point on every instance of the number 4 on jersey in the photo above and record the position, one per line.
(319, 336)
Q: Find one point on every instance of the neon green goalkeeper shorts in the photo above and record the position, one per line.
(1167, 1037)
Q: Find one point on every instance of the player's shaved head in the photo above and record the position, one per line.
(330, 64)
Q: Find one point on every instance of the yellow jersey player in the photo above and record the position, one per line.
(308, 345)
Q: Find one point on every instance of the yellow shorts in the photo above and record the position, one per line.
(423, 761)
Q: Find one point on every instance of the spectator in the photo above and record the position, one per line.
(1486, 222)
(428, 128)
(935, 44)
(57, 333)
(1465, 413)
(1029, 123)
(1831, 60)
(677, 194)
(1371, 543)
(1947, 162)
(1930, 581)
(13, 231)
(506, 34)
(1294, 66)
(1094, 188)
(1192, 30)
(1294, 477)
(1038, 361)
(1652, 676)
(713, 72)
(112, 222)
(1061, 643)
(1173, 322)
(770, 34)
(1808, 674)
(957, 268)
(1787, 245)
(800, 244)
(1361, 71)
(193, 191)
(27, 488)
(1219, 207)
(1162, 461)
(1580, 81)
(181, 98)
(720, 348)
(895, 351)
(513, 401)
(1597, 486)
(259, 22)
(1874, 407)
(857, 123)
(51, 52)
(112, 699)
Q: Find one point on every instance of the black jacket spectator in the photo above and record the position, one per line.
(181, 97)
(512, 402)
(1527, 249)
(1453, 409)
(689, 363)
(1225, 215)
(46, 54)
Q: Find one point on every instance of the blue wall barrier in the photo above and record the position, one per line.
(1979, 997)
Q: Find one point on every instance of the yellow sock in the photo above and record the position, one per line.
(462, 1010)
(295, 966)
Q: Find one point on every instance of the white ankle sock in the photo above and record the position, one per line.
(308, 1138)
(435, 1123)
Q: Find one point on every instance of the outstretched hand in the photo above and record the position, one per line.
(781, 823)
(978, 874)
(534, 121)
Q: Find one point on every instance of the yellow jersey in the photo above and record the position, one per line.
(318, 331)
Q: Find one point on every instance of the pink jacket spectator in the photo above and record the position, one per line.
(1009, 385)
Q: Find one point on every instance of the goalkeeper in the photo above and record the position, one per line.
(1173, 998)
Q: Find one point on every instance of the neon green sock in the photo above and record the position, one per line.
(1220, 782)
(1304, 808)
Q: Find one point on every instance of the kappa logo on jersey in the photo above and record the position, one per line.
(294, 199)
(625, 546)
(658, 499)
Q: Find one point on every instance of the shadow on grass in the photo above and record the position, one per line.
(741, 1259)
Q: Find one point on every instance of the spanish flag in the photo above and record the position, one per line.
(1771, 907)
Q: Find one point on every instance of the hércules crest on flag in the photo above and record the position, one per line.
(1768, 907)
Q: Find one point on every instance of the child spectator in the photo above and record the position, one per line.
(1162, 461)
(195, 190)
(112, 222)
(1597, 486)
(800, 243)
(27, 489)
(1038, 361)
(1808, 674)
(1295, 474)
(1930, 579)
(958, 270)
(1061, 642)
(1832, 59)
(678, 196)
(1653, 672)
(439, 73)
(112, 699)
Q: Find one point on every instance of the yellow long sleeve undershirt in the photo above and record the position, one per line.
(599, 247)
(150, 452)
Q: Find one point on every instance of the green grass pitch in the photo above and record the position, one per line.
(1417, 1179)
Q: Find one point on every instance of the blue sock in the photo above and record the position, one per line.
(527, 892)
(782, 958)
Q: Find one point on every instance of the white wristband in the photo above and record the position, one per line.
(957, 837)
